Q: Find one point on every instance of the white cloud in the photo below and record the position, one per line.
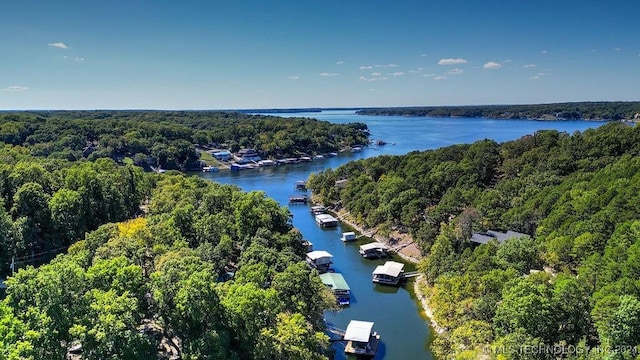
(339, 62)
(452, 61)
(440, 77)
(398, 73)
(507, 61)
(393, 65)
(328, 74)
(376, 74)
(424, 55)
(537, 76)
(544, 51)
(529, 66)
(455, 71)
(429, 75)
(59, 45)
(75, 58)
(16, 88)
(294, 77)
(366, 67)
(492, 65)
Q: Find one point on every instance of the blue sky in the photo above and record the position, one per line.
(164, 54)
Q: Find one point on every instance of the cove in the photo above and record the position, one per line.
(396, 312)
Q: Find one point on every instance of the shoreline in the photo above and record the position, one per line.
(410, 257)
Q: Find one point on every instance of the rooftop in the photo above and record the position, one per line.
(373, 245)
(390, 268)
(484, 238)
(358, 331)
(335, 281)
(318, 254)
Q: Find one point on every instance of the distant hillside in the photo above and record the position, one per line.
(560, 111)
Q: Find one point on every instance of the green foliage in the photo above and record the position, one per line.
(131, 289)
(576, 196)
(169, 138)
(569, 111)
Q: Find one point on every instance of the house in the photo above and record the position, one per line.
(224, 155)
(341, 184)
(319, 260)
(338, 285)
(247, 155)
(389, 274)
(484, 238)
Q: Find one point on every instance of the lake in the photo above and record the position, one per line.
(395, 311)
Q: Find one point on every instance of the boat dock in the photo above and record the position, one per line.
(326, 220)
(298, 199)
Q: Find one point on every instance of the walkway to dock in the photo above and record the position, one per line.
(411, 274)
(335, 334)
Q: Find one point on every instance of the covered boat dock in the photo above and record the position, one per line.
(360, 340)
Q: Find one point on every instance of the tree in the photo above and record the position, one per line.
(293, 338)
(66, 215)
(109, 327)
(442, 255)
(527, 304)
(521, 253)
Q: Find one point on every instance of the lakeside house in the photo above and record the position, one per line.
(388, 274)
(341, 184)
(222, 155)
(245, 156)
(339, 286)
(319, 260)
(484, 238)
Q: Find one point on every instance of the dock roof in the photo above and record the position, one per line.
(325, 217)
(318, 254)
(358, 331)
(335, 280)
(373, 245)
(390, 268)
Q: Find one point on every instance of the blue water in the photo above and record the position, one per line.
(396, 313)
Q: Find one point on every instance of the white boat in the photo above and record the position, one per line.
(266, 162)
(348, 236)
(209, 168)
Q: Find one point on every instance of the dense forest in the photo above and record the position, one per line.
(571, 288)
(559, 111)
(104, 260)
(168, 138)
(153, 286)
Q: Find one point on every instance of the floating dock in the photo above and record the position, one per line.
(326, 220)
(360, 340)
